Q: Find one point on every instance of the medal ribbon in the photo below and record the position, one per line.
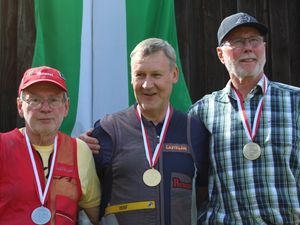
(42, 196)
(250, 133)
(153, 159)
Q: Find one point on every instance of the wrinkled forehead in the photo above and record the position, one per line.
(157, 60)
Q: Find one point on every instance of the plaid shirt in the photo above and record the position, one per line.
(261, 191)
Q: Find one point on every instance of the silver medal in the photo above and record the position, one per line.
(251, 151)
(41, 215)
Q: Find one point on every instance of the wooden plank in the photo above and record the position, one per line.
(26, 35)
(215, 75)
(279, 42)
(247, 7)
(182, 24)
(294, 40)
(8, 59)
(17, 34)
(25, 42)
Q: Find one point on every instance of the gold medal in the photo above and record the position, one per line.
(151, 177)
(251, 151)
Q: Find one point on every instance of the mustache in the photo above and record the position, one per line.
(248, 56)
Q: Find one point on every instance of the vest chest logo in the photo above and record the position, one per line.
(177, 183)
(64, 169)
(170, 147)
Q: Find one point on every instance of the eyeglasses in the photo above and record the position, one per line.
(37, 102)
(241, 42)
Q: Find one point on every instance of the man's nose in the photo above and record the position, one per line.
(148, 82)
(247, 44)
(45, 105)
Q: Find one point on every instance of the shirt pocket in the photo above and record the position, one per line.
(66, 210)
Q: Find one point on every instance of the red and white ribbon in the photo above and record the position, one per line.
(42, 195)
(153, 159)
(251, 133)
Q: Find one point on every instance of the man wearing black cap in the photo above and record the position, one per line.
(255, 134)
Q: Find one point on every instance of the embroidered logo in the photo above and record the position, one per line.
(177, 183)
(176, 147)
(243, 19)
(64, 169)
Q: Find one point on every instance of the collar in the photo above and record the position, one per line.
(227, 90)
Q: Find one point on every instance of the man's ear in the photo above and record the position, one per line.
(19, 107)
(175, 75)
(67, 107)
(220, 54)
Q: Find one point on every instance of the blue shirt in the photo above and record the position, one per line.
(261, 191)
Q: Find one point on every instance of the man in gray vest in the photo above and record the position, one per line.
(151, 154)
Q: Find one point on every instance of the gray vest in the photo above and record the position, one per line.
(173, 197)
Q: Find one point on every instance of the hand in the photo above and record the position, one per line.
(91, 141)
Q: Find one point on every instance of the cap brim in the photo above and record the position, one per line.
(260, 27)
(43, 80)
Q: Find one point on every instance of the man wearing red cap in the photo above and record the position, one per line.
(45, 174)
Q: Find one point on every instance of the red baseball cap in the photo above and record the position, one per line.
(42, 73)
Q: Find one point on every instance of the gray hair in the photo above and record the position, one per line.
(152, 45)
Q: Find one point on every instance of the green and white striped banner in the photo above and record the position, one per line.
(89, 41)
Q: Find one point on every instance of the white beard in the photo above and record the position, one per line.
(238, 71)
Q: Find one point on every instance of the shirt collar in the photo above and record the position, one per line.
(257, 89)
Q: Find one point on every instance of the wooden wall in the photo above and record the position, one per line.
(197, 25)
(17, 36)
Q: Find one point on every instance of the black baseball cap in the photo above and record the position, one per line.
(238, 20)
